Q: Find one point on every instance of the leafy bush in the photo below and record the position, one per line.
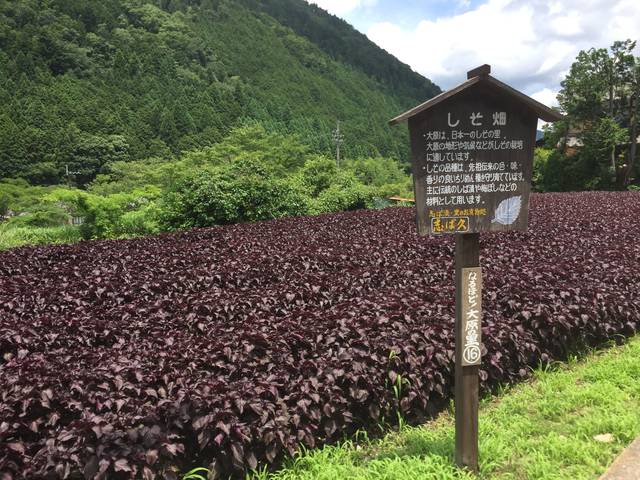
(345, 193)
(20, 197)
(540, 162)
(143, 221)
(317, 175)
(230, 346)
(242, 191)
(41, 217)
(377, 171)
(118, 215)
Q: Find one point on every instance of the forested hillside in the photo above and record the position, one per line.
(88, 83)
(343, 42)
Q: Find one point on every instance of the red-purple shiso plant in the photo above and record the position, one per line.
(233, 346)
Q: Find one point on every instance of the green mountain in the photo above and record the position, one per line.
(87, 82)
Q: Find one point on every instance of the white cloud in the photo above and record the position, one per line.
(546, 96)
(529, 43)
(342, 7)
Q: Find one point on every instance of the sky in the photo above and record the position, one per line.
(529, 44)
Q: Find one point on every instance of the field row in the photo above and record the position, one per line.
(232, 346)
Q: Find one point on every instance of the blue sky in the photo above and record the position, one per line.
(530, 44)
(406, 13)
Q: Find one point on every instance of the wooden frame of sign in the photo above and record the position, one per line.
(472, 162)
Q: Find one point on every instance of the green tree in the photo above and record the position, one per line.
(317, 174)
(540, 165)
(241, 191)
(174, 76)
(92, 152)
(345, 193)
(599, 141)
(601, 90)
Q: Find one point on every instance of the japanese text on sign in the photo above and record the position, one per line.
(456, 172)
(471, 316)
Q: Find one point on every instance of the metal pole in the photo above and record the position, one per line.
(338, 138)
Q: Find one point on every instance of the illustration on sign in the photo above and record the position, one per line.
(508, 211)
(471, 316)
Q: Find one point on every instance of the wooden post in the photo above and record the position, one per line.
(466, 378)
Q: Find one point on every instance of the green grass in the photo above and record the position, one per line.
(11, 237)
(543, 429)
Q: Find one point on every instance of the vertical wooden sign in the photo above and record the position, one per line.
(472, 160)
(471, 313)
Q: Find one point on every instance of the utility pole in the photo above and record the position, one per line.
(68, 174)
(338, 138)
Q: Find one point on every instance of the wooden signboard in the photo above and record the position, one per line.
(472, 165)
(472, 160)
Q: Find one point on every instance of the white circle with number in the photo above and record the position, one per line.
(471, 354)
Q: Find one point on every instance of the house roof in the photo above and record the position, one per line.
(480, 76)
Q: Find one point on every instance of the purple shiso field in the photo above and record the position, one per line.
(230, 347)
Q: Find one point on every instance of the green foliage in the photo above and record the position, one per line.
(318, 174)
(583, 89)
(4, 205)
(92, 85)
(386, 176)
(11, 237)
(281, 154)
(20, 196)
(92, 152)
(344, 193)
(543, 429)
(250, 175)
(196, 474)
(42, 173)
(540, 163)
(600, 95)
(377, 171)
(41, 217)
(589, 169)
(600, 142)
(241, 191)
(119, 215)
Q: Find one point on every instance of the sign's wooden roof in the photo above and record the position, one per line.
(480, 76)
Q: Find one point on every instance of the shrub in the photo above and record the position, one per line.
(317, 175)
(377, 171)
(143, 221)
(43, 217)
(346, 193)
(113, 216)
(244, 191)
